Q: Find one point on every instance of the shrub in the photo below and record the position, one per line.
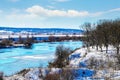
(5, 42)
(52, 77)
(23, 72)
(61, 54)
(65, 74)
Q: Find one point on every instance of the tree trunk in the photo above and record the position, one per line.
(97, 47)
(101, 48)
(117, 49)
(106, 49)
(92, 47)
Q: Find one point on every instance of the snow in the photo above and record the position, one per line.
(78, 62)
(32, 75)
(86, 55)
(37, 35)
(83, 73)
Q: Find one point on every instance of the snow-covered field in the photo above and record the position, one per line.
(80, 61)
(38, 35)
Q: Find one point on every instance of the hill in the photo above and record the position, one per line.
(43, 30)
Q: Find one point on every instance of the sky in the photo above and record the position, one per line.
(56, 13)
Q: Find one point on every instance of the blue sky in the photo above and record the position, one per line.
(56, 13)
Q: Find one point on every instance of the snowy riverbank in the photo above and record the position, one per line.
(102, 63)
(88, 65)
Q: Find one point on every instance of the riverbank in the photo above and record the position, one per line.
(104, 64)
(13, 41)
(94, 63)
(24, 45)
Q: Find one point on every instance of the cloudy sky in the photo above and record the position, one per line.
(56, 13)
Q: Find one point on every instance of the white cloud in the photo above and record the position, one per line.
(96, 14)
(114, 10)
(105, 12)
(39, 16)
(21, 16)
(40, 11)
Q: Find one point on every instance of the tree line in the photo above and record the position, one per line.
(103, 33)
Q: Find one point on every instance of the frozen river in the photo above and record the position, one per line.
(13, 60)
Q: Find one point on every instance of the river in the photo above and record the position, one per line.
(13, 60)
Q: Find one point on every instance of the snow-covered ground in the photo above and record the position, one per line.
(79, 61)
(81, 57)
(38, 35)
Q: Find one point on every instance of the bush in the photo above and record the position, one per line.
(52, 77)
(65, 74)
(61, 54)
(23, 72)
(5, 42)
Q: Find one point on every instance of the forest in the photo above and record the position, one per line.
(103, 33)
